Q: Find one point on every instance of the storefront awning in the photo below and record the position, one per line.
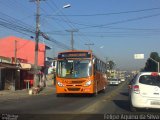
(8, 65)
(25, 66)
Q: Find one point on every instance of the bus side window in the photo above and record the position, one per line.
(95, 66)
(100, 66)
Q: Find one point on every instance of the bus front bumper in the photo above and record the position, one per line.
(66, 90)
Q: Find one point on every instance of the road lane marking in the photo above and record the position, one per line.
(98, 104)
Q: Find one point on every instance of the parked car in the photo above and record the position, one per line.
(144, 91)
(114, 81)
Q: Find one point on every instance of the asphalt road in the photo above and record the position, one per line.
(49, 104)
(112, 104)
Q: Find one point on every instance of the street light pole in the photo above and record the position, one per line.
(155, 62)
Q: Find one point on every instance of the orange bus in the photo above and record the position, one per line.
(80, 72)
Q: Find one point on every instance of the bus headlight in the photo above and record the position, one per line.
(60, 84)
(88, 83)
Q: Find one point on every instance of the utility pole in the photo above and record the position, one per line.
(15, 51)
(72, 40)
(36, 78)
(89, 44)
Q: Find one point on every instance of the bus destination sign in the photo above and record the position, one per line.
(74, 55)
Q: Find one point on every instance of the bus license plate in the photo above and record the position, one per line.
(155, 102)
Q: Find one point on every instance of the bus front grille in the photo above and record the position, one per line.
(73, 89)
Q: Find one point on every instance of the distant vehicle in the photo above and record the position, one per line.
(144, 91)
(122, 79)
(80, 72)
(119, 80)
(114, 81)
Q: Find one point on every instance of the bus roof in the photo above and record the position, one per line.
(67, 51)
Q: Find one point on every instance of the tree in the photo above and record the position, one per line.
(150, 64)
(111, 64)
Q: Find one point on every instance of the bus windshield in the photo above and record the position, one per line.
(74, 68)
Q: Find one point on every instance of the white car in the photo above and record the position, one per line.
(114, 81)
(122, 79)
(144, 91)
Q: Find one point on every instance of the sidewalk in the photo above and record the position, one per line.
(19, 94)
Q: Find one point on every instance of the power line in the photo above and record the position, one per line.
(113, 13)
(112, 23)
(67, 21)
(14, 21)
(10, 23)
(23, 28)
(122, 21)
(89, 44)
(46, 12)
(13, 27)
(62, 26)
(64, 17)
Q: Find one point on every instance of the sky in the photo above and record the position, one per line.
(117, 29)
